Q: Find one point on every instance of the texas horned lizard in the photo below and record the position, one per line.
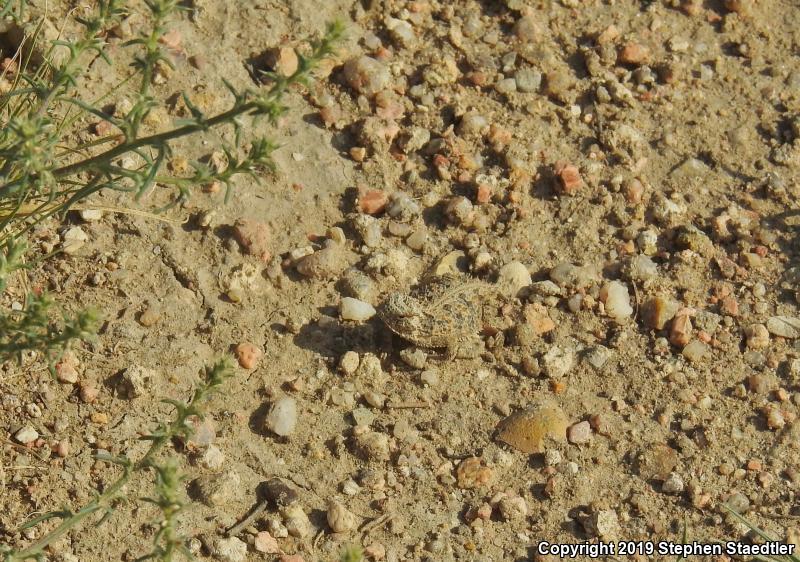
(445, 311)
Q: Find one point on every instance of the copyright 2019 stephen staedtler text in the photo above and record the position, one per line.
(646, 548)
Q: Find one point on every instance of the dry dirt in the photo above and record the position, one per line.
(679, 121)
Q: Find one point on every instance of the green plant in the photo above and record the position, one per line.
(168, 483)
(764, 535)
(44, 173)
(352, 554)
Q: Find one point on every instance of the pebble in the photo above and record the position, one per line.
(373, 446)
(282, 60)
(248, 355)
(634, 53)
(617, 301)
(471, 473)
(66, 370)
(657, 311)
(673, 484)
(580, 432)
(757, 336)
(231, 549)
(414, 357)
(369, 229)
(513, 508)
(26, 435)
(348, 363)
(73, 240)
(324, 264)
(266, 543)
(212, 458)
(149, 317)
(137, 380)
(459, 210)
(429, 377)
(597, 357)
(282, 417)
(402, 207)
(216, 490)
(528, 81)
(506, 86)
(254, 237)
(526, 430)
(372, 202)
(657, 462)
(88, 393)
(296, 521)
(366, 75)
(569, 178)
(91, 215)
(696, 351)
(358, 285)
(340, 519)
(604, 524)
(642, 269)
(355, 310)
(417, 239)
(401, 32)
(558, 361)
(784, 326)
(526, 29)
(512, 278)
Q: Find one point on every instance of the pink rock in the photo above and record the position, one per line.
(266, 543)
(254, 238)
(580, 432)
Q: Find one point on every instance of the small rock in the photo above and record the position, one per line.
(355, 310)
(513, 508)
(372, 202)
(254, 237)
(73, 240)
(617, 301)
(26, 435)
(757, 336)
(137, 380)
(296, 521)
(324, 264)
(212, 458)
(282, 417)
(528, 81)
(597, 357)
(373, 446)
(216, 490)
(580, 432)
(526, 430)
(366, 75)
(557, 362)
(634, 53)
(657, 311)
(282, 60)
(91, 215)
(673, 484)
(66, 370)
(696, 351)
(248, 355)
(266, 543)
(513, 277)
(526, 29)
(657, 462)
(149, 317)
(604, 524)
(340, 519)
(784, 326)
(471, 473)
(569, 178)
(348, 363)
(231, 549)
(414, 357)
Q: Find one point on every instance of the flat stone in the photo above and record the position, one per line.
(784, 326)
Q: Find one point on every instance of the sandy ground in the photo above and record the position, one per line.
(621, 176)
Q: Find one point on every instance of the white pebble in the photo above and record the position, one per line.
(356, 310)
(282, 418)
(617, 301)
(26, 435)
